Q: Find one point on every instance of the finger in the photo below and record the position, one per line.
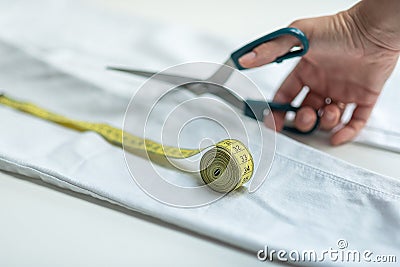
(330, 117)
(306, 116)
(268, 52)
(305, 119)
(353, 127)
(285, 94)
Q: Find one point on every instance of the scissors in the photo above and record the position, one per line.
(255, 109)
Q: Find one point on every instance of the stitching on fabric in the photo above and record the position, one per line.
(339, 179)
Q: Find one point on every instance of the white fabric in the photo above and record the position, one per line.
(82, 39)
(309, 200)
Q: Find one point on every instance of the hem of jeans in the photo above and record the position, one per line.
(341, 179)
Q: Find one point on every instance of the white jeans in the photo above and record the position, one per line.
(309, 200)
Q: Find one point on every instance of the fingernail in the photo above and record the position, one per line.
(305, 119)
(247, 57)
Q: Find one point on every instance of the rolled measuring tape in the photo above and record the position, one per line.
(224, 167)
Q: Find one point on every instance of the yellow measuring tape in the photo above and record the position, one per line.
(224, 167)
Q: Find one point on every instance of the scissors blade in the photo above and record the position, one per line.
(196, 86)
(223, 73)
(169, 78)
(192, 84)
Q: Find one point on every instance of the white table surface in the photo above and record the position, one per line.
(42, 225)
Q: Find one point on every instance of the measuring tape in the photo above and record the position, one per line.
(224, 167)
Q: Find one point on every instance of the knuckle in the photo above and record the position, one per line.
(296, 23)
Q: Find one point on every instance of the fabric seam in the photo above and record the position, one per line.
(339, 179)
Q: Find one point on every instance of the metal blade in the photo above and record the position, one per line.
(213, 85)
(169, 78)
(223, 73)
(205, 87)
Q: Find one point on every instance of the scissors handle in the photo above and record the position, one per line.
(284, 31)
(255, 109)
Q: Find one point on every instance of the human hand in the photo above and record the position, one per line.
(345, 64)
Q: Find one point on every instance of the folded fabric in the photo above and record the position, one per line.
(309, 200)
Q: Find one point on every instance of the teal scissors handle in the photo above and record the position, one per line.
(255, 109)
(271, 36)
